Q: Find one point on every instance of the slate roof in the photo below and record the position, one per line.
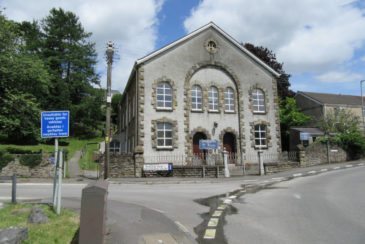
(310, 130)
(339, 99)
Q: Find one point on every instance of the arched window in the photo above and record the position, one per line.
(213, 98)
(260, 135)
(164, 96)
(229, 100)
(164, 135)
(258, 101)
(196, 98)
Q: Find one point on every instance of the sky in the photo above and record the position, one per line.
(320, 42)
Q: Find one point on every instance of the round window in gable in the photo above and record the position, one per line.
(211, 46)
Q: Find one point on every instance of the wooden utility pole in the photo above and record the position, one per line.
(109, 59)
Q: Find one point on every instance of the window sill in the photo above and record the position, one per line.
(197, 110)
(214, 111)
(262, 147)
(165, 148)
(164, 109)
(229, 112)
(259, 113)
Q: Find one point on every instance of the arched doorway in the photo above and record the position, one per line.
(198, 155)
(229, 143)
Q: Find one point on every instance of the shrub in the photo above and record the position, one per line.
(5, 158)
(15, 150)
(30, 160)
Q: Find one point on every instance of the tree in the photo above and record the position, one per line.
(290, 116)
(24, 82)
(269, 58)
(71, 59)
(344, 125)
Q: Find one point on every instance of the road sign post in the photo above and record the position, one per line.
(55, 124)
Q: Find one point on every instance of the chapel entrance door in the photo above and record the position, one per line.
(229, 143)
(199, 156)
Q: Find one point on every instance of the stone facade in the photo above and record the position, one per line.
(208, 57)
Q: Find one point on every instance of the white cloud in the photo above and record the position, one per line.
(131, 25)
(308, 36)
(339, 77)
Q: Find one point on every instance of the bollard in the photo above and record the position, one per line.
(93, 213)
(261, 162)
(225, 158)
(13, 189)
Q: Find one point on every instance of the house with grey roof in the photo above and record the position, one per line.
(317, 105)
(204, 86)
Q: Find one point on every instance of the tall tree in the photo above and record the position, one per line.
(24, 81)
(71, 58)
(268, 57)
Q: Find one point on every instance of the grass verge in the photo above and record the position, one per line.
(86, 162)
(60, 228)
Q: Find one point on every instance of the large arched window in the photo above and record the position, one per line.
(164, 95)
(229, 100)
(258, 101)
(213, 96)
(196, 98)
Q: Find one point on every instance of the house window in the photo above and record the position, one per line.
(258, 100)
(164, 96)
(114, 146)
(229, 100)
(164, 135)
(196, 98)
(213, 98)
(260, 136)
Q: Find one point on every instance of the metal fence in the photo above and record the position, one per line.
(217, 158)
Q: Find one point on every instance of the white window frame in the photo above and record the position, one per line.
(260, 135)
(166, 127)
(258, 101)
(213, 99)
(166, 97)
(196, 93)
(229, 101)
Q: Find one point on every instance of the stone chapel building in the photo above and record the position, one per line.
(202, 86)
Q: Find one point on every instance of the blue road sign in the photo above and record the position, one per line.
(208, 144)
(55, 124)
(304, 136)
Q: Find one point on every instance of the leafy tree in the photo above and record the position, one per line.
(269, 58)
(71, 59)
(290, 116)
(345, 127)
(24, 82)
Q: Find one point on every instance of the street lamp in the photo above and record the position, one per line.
(362, 106)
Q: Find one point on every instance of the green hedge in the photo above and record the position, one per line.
(5, 158)
(15, 150)
(30, 160)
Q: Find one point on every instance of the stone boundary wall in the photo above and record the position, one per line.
(197, 171)
(121, 165)
(44, 170)
(271, 168)
(316, 153)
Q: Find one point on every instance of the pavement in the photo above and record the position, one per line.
(73, 165)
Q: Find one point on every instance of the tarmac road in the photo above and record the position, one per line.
(326, 208)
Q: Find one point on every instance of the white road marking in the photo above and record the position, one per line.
(157, 210)
(312, 172)
(213, 222)
(217, 213)
(266, 181)
(250, 180)
(233, 197)
(337, 168)
(227, 201)
(349, 166)
(324, 170)
(297, 175)
(278, 178)
(242, 191)
(297, 196)
(361, 164)
(182, 227)
(222, 207)
(209, 234)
